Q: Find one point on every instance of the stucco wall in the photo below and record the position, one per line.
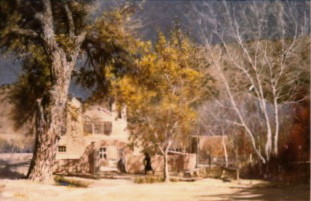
(177, 163)
(90, 161)
(133, 163)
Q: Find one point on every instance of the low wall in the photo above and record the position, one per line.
(89, 163)
(82, 165)
(177, 163)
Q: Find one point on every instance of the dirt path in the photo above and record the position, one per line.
(124, 190)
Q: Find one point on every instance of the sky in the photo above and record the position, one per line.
(160, 15)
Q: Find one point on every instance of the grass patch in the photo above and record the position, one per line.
(71, 182)
(148, 180)
(153, 179)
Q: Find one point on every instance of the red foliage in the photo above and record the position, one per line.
(297, 147)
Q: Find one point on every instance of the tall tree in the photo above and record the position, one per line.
(258, 50)
(162, 94)
(48, 37)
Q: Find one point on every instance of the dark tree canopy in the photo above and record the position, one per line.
(58, 42)
(107, 44)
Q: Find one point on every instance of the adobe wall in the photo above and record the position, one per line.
(134, 163)
(76, 166)
(85, 164)
(177, 163)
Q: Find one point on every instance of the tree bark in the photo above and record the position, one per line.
(50, 120)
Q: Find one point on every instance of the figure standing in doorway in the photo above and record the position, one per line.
(147, 163)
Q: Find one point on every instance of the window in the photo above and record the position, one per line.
(107, 128)
(98, 128)
(61, 148)
(88, 128)
(102, 152)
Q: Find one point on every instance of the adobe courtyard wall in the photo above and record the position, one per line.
(177, 163)
(134, 163)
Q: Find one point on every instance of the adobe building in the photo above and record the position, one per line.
(97, 140)
(95, 137)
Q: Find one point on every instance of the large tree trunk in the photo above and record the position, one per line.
(50, 120)
(166, 173)
(50, 117)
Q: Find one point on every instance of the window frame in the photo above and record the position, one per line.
(103, 153)
(62, 149)
(107, 127)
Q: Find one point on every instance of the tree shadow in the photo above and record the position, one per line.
(10, 171)
(297, 193)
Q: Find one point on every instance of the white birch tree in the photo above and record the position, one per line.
(257, 48)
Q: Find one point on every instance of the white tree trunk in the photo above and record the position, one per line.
(225, 150)
(166, 173)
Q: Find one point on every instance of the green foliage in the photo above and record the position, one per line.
(34, 83)
(36, 77)
(22, 14)
(108, 45)
(110, 49)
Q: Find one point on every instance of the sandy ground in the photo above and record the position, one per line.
(125, 190)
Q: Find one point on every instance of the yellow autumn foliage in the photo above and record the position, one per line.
(162, 94)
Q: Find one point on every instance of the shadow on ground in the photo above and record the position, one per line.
(11, 171)
(297, 193)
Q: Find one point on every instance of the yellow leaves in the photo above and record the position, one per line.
(161, 43)
(108, 72)
(162, 74)
(129, 92)
(146, 63)
(161, 94)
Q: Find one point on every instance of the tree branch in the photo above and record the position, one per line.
(46, 19)
(71, 24)
(25, 32)
(80, 38)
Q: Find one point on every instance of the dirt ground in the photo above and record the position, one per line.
(13, 189)
(126, 190)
